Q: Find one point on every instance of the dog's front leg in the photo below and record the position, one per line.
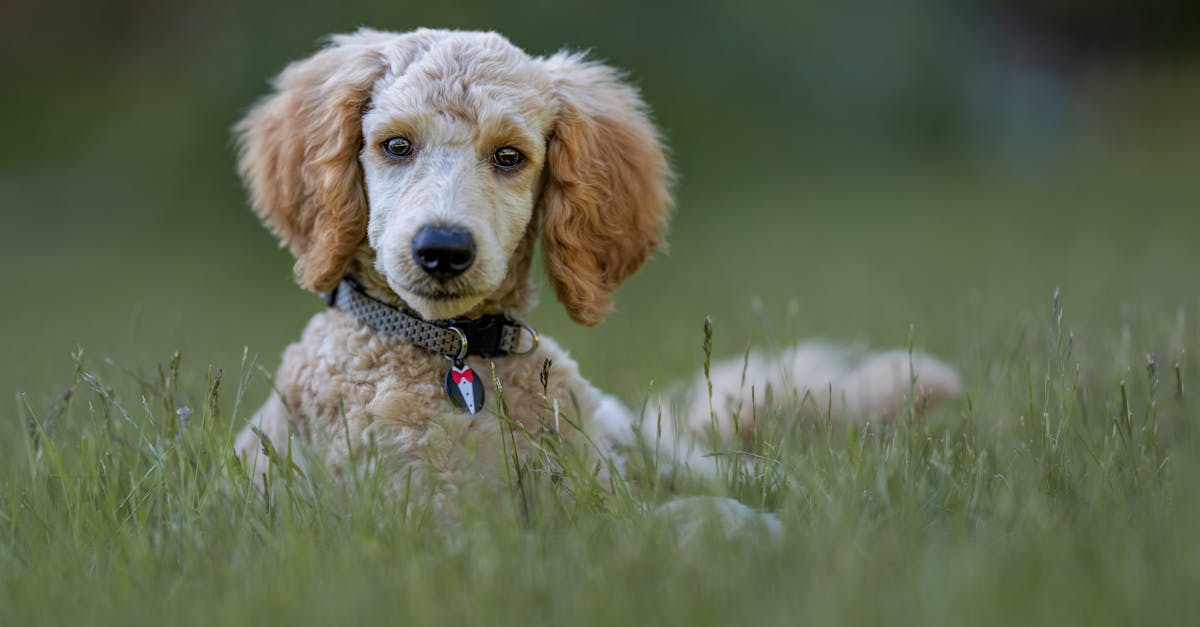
(272, 422)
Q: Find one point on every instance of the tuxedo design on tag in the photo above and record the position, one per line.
(464, 388)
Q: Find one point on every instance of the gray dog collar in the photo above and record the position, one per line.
(457, 338)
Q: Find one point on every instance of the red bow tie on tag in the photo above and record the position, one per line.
(465, 373)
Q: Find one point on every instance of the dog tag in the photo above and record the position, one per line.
(464, 388)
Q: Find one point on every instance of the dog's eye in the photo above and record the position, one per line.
(398, 147)
(508, 158)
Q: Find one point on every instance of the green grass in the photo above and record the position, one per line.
(1059, 492)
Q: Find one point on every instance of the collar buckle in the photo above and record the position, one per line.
(481, 336)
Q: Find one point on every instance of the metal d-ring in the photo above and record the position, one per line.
(533, 335)
(462, 347)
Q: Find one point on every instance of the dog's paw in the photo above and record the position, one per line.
(882, 384)
(691, 516)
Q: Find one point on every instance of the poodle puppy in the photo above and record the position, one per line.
(410, 175)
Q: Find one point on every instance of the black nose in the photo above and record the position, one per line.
(443, 252)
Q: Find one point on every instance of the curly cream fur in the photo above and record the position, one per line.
(347, 387)
(595, 181)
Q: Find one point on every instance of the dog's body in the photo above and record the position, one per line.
(346, 386)
(423, 165)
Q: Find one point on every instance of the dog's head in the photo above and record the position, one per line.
(441, 150)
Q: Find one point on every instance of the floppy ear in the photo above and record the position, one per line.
(606, 196)
(298, 155)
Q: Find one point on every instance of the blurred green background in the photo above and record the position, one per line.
(847, 169)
